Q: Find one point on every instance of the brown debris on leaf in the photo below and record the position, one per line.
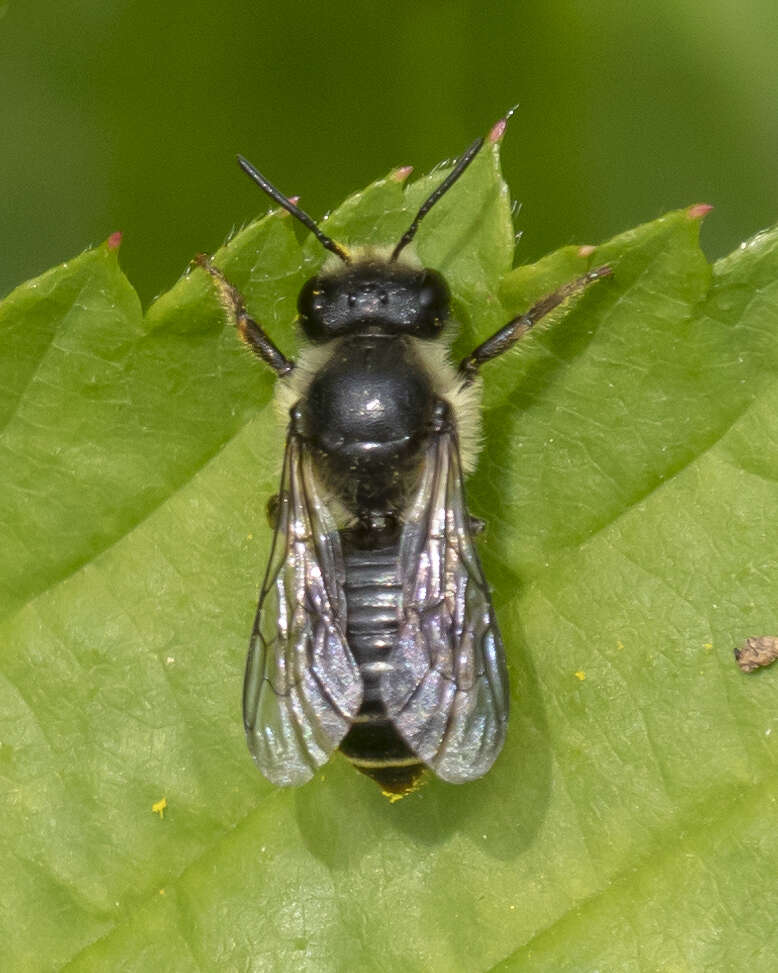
(757, 652)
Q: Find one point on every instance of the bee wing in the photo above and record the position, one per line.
(302, 687)
(447, 689)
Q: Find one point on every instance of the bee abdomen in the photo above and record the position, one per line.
(373, 599)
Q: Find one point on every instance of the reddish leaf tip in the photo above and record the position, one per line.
(498, 129)
(586, 250)
(114, 240)
(401, 174)
(698, 211)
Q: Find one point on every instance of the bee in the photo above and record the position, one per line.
(375, 632)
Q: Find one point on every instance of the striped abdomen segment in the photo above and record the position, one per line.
(373, 600)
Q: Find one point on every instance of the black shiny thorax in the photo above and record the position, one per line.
(367, 416)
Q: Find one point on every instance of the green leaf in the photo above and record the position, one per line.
(629, 479)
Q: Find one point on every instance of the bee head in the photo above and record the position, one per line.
(375, 296)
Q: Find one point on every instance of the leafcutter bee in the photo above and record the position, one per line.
(375, 631)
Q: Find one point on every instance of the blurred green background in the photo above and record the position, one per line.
(127, 114)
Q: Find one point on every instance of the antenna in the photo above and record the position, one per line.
(435, 195)
(290, 207)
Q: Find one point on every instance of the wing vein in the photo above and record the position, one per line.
(299, 647)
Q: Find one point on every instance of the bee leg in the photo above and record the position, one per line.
(515, 329)
(250, 332)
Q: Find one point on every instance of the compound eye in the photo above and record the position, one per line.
(433, 293)
(433, 301)
(311, 304)
(311, 300)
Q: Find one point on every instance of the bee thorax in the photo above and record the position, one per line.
(367, 414)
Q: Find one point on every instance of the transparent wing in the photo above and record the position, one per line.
(302, 687)
(447, 689)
